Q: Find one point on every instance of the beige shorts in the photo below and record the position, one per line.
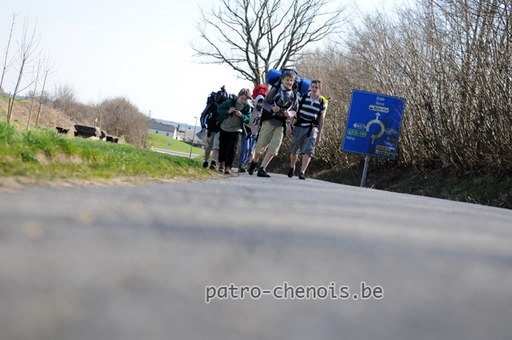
(212, 141)
(270, 137)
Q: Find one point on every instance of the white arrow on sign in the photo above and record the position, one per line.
(376, 121)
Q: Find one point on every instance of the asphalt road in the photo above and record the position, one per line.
(176, 153)
(139, 263)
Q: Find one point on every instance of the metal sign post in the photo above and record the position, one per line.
(365, 170)
(373, 126)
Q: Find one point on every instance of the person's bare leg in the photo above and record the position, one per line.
(256, 157)
(266, 159)
(293, 160)
(254, 161)
(262, 172)
(305, 162)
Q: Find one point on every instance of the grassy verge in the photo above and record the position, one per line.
(43, 154)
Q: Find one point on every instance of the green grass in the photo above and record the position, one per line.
(44, 154)
(162, 142)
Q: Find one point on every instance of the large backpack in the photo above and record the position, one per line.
(221, 96)
(274, 79)
(260, 89)
(210, 113)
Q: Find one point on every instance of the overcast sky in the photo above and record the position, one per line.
(138, 49)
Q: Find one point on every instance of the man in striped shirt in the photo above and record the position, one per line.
(309, 125)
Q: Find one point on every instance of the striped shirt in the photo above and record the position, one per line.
(310, 111)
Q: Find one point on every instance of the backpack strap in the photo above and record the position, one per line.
(303, 100)
(299, 120)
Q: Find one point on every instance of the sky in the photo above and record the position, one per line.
(136, 49)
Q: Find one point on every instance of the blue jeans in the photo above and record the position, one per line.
(246, 148)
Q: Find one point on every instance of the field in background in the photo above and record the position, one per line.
(162, 142)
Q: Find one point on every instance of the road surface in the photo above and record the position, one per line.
(173, 261)
(176, 153)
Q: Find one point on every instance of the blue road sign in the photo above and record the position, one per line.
(373, 124)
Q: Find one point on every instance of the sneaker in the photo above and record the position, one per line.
(227, 172)
(205, 164)
(213, 164)
(302, 176)
(262, 173)
(221, 169)
(252, 167)
(241, 168)
(290, 172)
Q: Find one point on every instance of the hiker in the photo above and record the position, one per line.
(249, 140)
(278, 107)
(245, 145)
(309, 125)
(234, 114)
(209, 123)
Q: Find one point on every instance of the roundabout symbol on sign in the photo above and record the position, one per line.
(376, 121)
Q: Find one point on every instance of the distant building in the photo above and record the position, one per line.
(162, 129)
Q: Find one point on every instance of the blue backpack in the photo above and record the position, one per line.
(274, 79)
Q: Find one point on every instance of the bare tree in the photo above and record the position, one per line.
(32, 95)
(253, 36)
(47, 72)
(451, 60)
(7, 62)
(122, 118)
(27, 48)
(64, 99)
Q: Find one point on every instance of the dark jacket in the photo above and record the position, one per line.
(285, 99)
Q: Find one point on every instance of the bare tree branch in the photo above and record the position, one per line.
(7, 62)
(27, 48)
(47, 73)
(253, 36)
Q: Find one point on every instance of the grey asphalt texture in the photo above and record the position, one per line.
(136, 263)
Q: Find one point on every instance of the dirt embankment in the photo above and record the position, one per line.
(24, 110)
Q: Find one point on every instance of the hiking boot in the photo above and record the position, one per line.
(213, 164)
(263, 173)
(302, 176)
(290, 172)
(252, 167)
(205, 164)
(241, 168)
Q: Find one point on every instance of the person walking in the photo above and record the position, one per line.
(209, 124)
(234, 114)
(309, 126)
(249, 141)
(278, 107)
